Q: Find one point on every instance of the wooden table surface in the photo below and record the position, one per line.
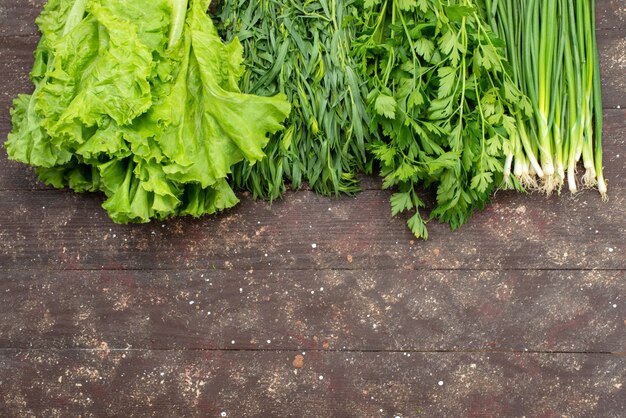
(313, 307)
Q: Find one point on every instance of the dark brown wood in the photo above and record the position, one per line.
(610, 14)
(17, 17)
(520, 313)
(612, 50)
(61, 230)
(573, 311)
(16, 61)
(330, 384)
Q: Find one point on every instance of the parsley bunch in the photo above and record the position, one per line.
(442, 99)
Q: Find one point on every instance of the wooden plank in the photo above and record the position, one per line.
(16, 62)
(612, 51)
(17, 17)
(324, 310)
(61, 230)
(610, 14)
(336, 384)
(56, 230)
(361, 228)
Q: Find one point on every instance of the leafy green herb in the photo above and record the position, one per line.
(302, 48)
(441, 94)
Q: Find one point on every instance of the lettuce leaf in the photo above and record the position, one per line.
(140, 100)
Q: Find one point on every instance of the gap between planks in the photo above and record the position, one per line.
(321, 269)
(307, 350)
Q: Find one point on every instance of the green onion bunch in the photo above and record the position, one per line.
(551, 47)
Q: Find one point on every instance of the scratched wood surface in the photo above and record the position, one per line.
(313, 307)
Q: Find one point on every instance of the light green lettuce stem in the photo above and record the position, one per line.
(75, 16)
(179, 14)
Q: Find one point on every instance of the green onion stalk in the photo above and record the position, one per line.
(544, 70)
(597, 103)
(557, 101)
(574, 88)
(587, 110)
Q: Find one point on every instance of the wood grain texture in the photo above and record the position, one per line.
(17, 17)
(520, 313)
(62, 230)
(610, 14)
(572, 311)
(265, 384)
(612, 50)
(55, 230)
